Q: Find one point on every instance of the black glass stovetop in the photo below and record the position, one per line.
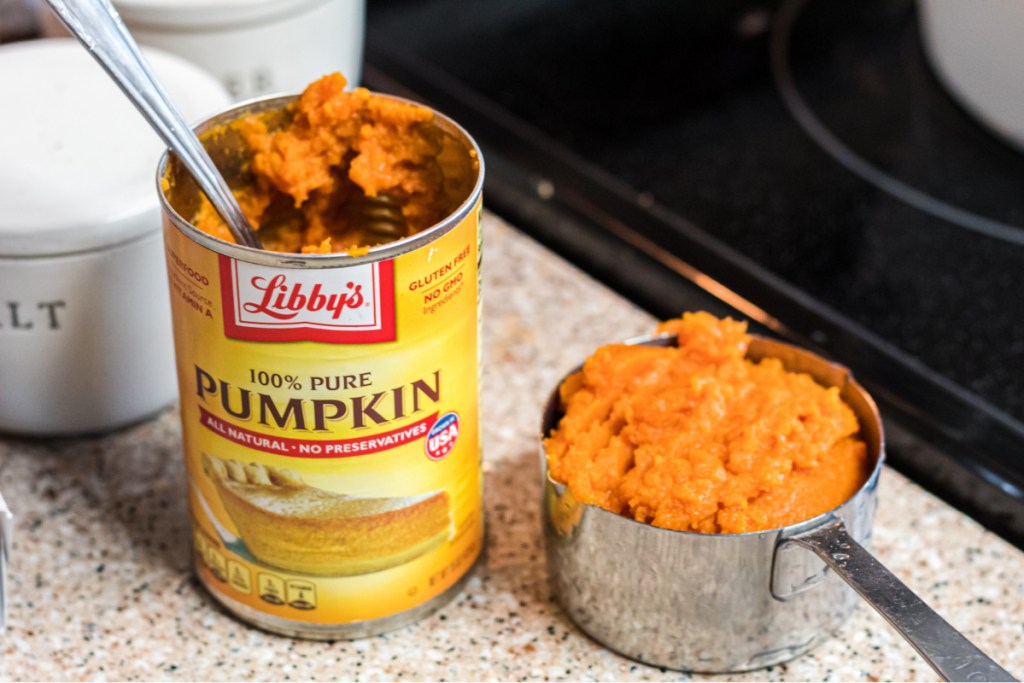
(796, 162)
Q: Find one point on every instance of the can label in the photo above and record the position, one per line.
(331, 426)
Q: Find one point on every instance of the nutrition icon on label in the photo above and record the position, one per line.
(217, 563)
(296, 593)
(239, 576)
(211, 556)
(301, 594)
(272, 589)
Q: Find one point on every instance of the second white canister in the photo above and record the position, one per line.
(255, 47)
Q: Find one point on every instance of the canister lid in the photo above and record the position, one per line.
(164, 14)
(78, 162)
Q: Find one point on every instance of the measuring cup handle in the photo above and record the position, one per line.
(99, 28)
(944, 648)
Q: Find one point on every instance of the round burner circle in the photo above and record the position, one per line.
(929, 143)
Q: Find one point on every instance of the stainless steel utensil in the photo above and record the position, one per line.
(735, 602)
(98, 27)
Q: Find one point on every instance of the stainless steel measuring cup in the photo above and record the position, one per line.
(735, 602)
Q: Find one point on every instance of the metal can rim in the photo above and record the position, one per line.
(287, 260)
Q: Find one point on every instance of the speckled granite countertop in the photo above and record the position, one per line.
(102, 588)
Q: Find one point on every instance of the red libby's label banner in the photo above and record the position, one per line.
(304, 448)
(354, 305)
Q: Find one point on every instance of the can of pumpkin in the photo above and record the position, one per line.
(329, 407)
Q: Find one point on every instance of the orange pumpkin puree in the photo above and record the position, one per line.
(312, 177)
(697, 438)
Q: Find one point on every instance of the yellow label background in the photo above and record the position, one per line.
(428, 338)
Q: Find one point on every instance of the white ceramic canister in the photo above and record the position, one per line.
(976, 50)
(85, 328)
(255, 47)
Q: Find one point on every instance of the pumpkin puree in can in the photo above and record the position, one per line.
(329, 384)
(312, 175)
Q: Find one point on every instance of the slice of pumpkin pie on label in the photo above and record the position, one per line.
(289, 524)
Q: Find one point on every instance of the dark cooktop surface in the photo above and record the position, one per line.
(885, 199)
(807, 141)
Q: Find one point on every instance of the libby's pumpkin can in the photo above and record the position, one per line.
(329, 407)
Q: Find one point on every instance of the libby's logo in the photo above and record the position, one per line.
(284, 301)
(353, 305)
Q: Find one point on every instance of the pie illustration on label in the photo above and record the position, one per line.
(289, 524)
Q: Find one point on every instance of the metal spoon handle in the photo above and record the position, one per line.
(944, 648)
(98, 27)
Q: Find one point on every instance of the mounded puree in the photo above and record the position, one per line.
(698, 438)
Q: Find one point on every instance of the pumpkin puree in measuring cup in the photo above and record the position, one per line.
(340, 171)
(698, 438)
